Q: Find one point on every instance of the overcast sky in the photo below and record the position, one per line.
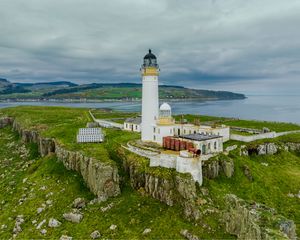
(246, 46)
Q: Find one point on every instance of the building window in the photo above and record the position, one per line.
(208, 146)
(154, 130)
(135, 127)
(195, 132)
(215, 145)
(158, 130)
(154, 137)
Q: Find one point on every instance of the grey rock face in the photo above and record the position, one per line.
(288, 227)
(6, 121)
(243, 220)
(171, 190)
(102, 178)
(244, 151)
(267, 148)
(228, 168)
(213, 168)
(73, 217)
(247, 172)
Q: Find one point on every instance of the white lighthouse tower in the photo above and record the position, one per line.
(149, 71)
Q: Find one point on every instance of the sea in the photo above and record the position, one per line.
(278, 108)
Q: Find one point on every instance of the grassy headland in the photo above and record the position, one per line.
(274, 179)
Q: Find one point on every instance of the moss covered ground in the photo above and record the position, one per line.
(32, 180)
(275, 178)
(47, 179)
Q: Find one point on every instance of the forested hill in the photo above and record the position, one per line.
(103, 91)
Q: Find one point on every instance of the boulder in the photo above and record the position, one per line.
(185, 233)
(53, 223)
(113, 227)
(65, 237)
(79, 203)
(73, 217)
(146, 231)
(96, 234)
(247, 172)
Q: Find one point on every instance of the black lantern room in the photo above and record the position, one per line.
(150, 60)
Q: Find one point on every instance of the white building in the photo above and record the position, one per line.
(133, 124)
(90, 135)
(157, 123)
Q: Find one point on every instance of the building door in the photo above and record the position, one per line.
(203, 149)
(178, 132)
(132, 127)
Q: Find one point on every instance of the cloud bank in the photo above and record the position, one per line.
(247, 46)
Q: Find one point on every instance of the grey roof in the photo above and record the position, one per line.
(135, 120)
(199, 136)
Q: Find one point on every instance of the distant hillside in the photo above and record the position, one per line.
(103, 91)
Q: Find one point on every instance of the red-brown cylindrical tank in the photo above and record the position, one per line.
(177, 145)
(182, 145)
(168, 143)
(172, 143)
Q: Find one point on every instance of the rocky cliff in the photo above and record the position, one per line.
(219, 165)
(101, 178)
(255, 221)
(172, 189)
(268, 148)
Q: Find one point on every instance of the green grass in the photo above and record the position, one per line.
(255, 124)
(63, 124)
(270, 186)
(132, 212)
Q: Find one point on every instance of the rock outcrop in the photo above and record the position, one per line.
(6, 121)
(174, 189)
(220, 165)
(290, 146)
(245, 221)
(101, 177)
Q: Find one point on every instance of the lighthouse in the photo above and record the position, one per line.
(149, 71)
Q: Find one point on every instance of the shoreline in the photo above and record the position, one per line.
(115, 100)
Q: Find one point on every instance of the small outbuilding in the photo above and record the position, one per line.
(133, 124)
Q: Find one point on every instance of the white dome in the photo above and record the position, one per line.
(165, 107)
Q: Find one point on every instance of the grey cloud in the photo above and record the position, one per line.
(204, 44)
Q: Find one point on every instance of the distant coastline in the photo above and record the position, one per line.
(113, 100)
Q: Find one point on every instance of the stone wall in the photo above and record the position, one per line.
(252, 137)
(260, 136)
(101, 178)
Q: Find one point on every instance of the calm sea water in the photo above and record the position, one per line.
(271, 108)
